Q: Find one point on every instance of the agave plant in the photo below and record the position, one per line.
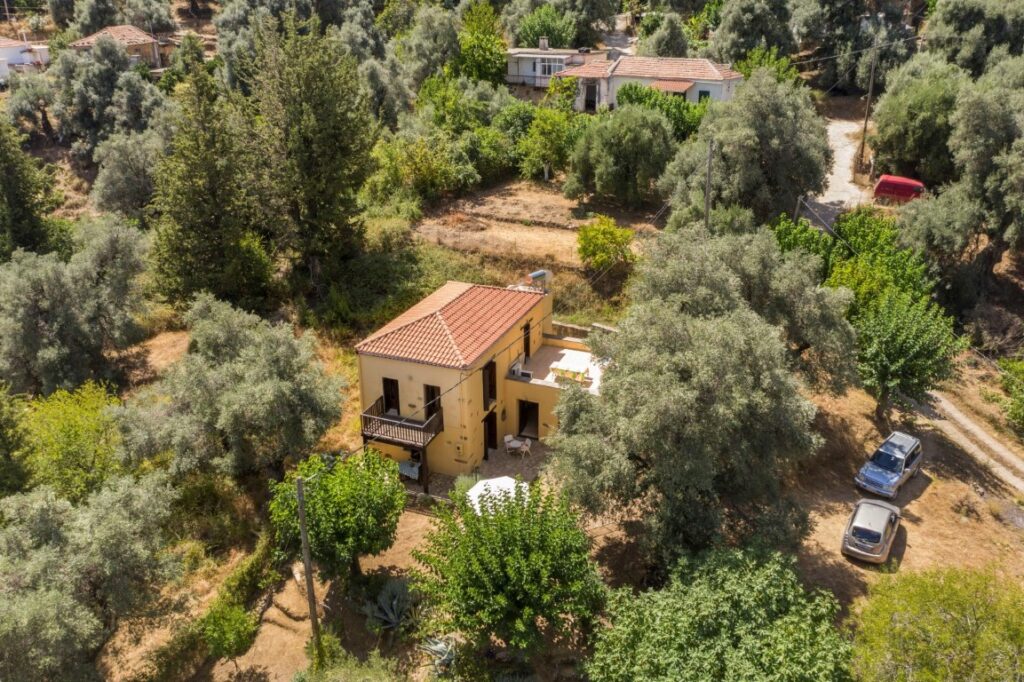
(392, 608)
(441, 652)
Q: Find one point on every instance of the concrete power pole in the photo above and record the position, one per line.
(308, 565)
(871, 92)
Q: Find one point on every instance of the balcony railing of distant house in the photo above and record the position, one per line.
(392, 428)
(529, 80)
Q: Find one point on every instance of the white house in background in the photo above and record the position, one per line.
(694, 79)
(19, 55)
(532, 67)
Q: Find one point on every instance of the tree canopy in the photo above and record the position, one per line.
(770, 148)
(942, 624)
(518, 569)
(726, 615)
(352, 509)
(547, 22)
(247, 395)
(750, 24)
(26, 197)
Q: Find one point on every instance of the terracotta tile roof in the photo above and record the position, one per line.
(672, 86)
(658, 68)
(596, 69)
(453, 327)
(126, 35)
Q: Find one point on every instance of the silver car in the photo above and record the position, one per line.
(895, 462)
(871, 530)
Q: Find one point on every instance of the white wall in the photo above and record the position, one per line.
(16, 56)
(12, 55)
(5, 73)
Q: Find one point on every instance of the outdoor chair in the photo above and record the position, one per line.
(524, 449)
(512, 445)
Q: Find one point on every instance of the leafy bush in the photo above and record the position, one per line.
(228, 630)
(481, 45)
(684, 116)
(1013, 384)
(764, 58)
(71, 440)
(352, 509)
(728, 615)
(518, 571)
(622, 155)
(546, 21)
(944, 624)
(603, 244)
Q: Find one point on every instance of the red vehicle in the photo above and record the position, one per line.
(895, 189)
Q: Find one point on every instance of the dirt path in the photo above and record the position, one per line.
(842, 193)
(976, 440)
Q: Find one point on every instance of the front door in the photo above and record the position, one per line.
(590, 96)
(391, 403)
(490, 433)
(529, 419)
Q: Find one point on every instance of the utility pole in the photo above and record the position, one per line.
(300, 496)
(7, 11)
(707, 188)
(871, 91)
(796, 211)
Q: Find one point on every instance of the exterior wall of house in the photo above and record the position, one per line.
(608, 90)
(459, 448)
(527, 70)
(17, 55)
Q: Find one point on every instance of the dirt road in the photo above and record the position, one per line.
(842, 193)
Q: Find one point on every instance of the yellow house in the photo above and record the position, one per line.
(444, 383)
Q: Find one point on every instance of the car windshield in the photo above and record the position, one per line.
(867, 535)
(887, 461)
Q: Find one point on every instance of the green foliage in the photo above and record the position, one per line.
(188, 56)
(149, 15)
(32, 97)
(749, 24)
(71, 440)
(685, 116)
(428, 46)
(729, 615)
(667, 40)
(975, 33)
(546, 21)
(12, 440)
(312, 136)
(770, 148)
(622, 155)
(70, 573)
(352, 509)
(769, 58)
(342, 666)
(602, 244)
(907, 345)
(228, 630)
(547, 144)
(481, 45)
(208, 215)
(418, 167)
(913, 119)
(561, 93)
(702, 364)
(247, 395)
(64, 321)
(125, 182)
(26, 196)
(393, 609)
(1013, 384)
(99, 95)
(519, 570)
(944, 624)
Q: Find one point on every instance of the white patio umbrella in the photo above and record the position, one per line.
(503, 486)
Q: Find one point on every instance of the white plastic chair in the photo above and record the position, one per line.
(511, 445)
(524, 449)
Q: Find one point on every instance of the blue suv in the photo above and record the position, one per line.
(895, 462)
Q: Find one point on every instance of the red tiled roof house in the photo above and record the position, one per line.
(694, 79)
(446, 381)
(139, 45)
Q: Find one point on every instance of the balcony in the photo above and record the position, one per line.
(556, 367)
(393, 428)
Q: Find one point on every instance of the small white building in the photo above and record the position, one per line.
(694, 79)
(21, 55)
(533, 67)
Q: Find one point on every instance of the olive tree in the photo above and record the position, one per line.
(61, 322)
(694, 369)
(247, 395)
(914, 119)
(749, 24)
(969, 32)
(32, 97)
(71, 572)
(669, 40)
(622, 155)
(770, 147)
(124, 183)
(546, 22)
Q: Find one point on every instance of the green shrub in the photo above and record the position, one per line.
(603, 244)
(1013, 384)
(228, 630)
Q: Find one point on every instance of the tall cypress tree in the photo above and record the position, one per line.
(26, 195)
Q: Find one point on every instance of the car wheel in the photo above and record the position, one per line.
(916, 472)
